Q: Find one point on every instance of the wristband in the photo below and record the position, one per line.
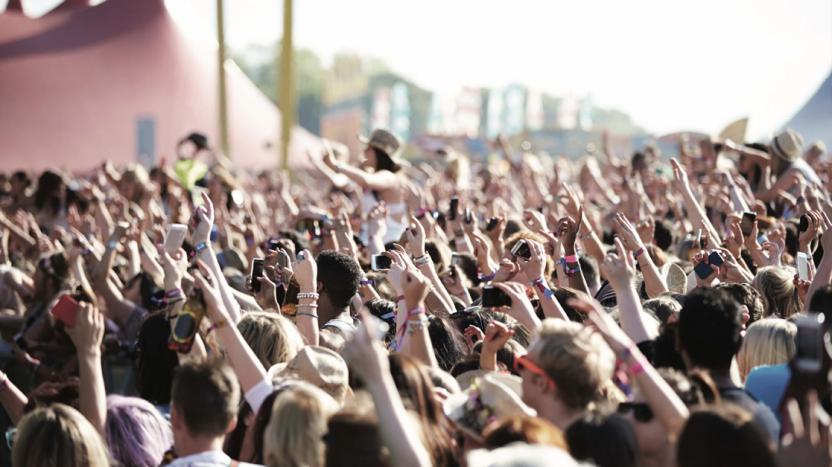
(571, 259)
(638, 252)
(399, 298)
(422, 260)
(486, 277)
(570, 271)
(416, 325)
(636, 369)
(173, 293)
(418, 311)
(308, 295)
(200, 246)
(367, 282)
(540, 284)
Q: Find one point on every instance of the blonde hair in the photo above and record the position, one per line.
(58, 435)
(576, 358)
(769, 341)
(294, 436)
(272, 337)
(776, 285)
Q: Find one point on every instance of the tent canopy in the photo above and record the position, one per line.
(83, 84)
(814, 120)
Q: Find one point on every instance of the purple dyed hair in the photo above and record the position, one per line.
(137, 434)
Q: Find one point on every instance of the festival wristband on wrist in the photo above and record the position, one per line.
(418, 311)
(638, 252)
(200, 246)
(541, 285)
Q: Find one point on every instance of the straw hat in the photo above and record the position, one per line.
(675, 278)
(319, 366)
(491, 397)
(788, 145)
(383, 140)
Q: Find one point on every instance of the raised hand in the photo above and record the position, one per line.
(306, 272)
(415, 238)
(620, 268)
(88, 332)
(602, 322)
(567, 231)
(533, 267)
(496, 336)
(535, 221)
(266, 295)
(204, 216)
(627, 233)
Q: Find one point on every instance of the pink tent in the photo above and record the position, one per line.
(82, 84)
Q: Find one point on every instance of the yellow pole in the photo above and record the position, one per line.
(222, 104)
(286, 86)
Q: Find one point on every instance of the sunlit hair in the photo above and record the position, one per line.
(273, 338)
(58, 435)
(530, 430)
(769, 341)
(776, 285)
(136, 432)
(722, 435)
(577, 358)
(299, 420)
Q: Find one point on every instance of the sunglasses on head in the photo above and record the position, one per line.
(641, 411)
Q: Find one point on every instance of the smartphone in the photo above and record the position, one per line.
(187, 323)
(747, 222)
(804, 223)
(274, 244)
(492, 297)
(283, 260)
(256, 273)
(175, 237)
(703, 270)
(66, 310)
(715, 259)
(453, 208)
(469, 216)
(803, 266)
(492, 224)
(521, 249)
(809, 340)
(380, 263)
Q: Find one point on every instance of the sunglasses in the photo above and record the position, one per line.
(641, 411)
(523, 362)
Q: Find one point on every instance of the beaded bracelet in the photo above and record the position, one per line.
(416, 325)
(308, 295)
(422, 260)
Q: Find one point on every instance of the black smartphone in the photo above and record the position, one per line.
(747, 222)
(492, 224)
(380, 263)
(492, 297)
(809, 344)
(256, 273)
(521, 249)
(453, 208)
(703, 270)
(804, 223)
(469, 216)
(715, 259)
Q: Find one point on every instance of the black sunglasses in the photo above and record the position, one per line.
(641, 411)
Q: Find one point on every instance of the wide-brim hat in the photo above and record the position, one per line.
(675, 278)
(383, 140)
(788, 145)
(319, 366)
(492, 397)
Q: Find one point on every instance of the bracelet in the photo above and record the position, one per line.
(307, 305)
(366, 282)
(571, 259)
(214, 326)
(303, 313)
(570, 271)
(308, 295)
(418, 311)
(416, 325)
(638, 252)
(540, 284)
(172, 300)
(636, 369)
(200, 246)
(486, 277)
(422, 260)
(173, 293)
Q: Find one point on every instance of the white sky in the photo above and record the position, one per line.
(672, 65)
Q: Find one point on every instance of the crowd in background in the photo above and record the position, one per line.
(613, 310)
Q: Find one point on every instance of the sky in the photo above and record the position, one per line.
(671, 65)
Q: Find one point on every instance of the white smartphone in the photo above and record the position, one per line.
(809, 340)
(803, 266)
(175, 237)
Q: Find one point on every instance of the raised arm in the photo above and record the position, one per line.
(695, 210)
(87, 335)
(399, 433)
(619, 269)
(534, 269)
(653, 281)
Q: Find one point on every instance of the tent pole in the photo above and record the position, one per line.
(286, 86)
(222, 91)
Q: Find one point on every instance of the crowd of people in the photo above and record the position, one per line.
(519, 310)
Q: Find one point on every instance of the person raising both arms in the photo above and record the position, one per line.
(380, 179)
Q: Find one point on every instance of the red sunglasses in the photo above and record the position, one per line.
(523, 362)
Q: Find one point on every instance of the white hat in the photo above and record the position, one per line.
(788, 145)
